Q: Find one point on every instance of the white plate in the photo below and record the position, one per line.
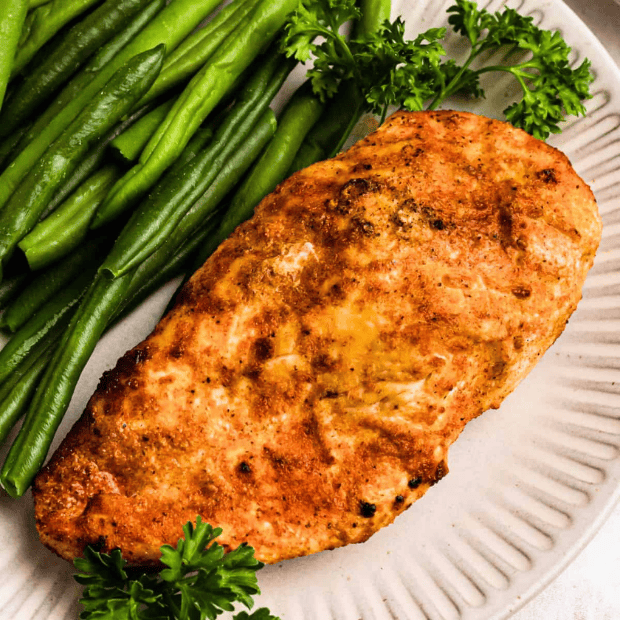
(530, 483)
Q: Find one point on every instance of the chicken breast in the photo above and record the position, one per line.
(307, 385)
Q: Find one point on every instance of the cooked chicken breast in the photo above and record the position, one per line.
(307, 385)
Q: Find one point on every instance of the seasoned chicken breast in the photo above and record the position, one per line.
(307, 385)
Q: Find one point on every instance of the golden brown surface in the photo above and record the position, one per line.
(306, 387)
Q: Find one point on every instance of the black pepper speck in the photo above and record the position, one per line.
(367, 510)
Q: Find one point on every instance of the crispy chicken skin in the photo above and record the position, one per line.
(306, 387)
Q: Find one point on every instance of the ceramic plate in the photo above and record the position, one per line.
(530, 483)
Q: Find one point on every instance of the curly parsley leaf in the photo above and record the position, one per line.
(387, 68)
(200, 582)
(551, 88)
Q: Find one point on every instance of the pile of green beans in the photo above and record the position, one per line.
(30, 198)
(98, 235)
(203, 93)
(74, 49)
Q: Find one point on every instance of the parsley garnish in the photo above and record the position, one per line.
(390, 70)
(200, 582)
(550, 87)
(386, 68)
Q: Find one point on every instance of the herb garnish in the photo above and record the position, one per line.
(390, 70)
(200, 582)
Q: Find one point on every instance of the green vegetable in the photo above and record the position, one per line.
(8, 145)
(12, 19)
(329, 133)
(173, 23)
(127, 146)
(33, 4)
(46, 284)
(158, 216)
(42, 24)
(373, 14)
(199, 98)
(196, 50)
(17, 391)
(77, 46)
(199, 582)
(193, 148)
(89, 164)
(53, 315)
(66, 228)
(86, 75)
(550, 87)
(11, 287)
(115, 99)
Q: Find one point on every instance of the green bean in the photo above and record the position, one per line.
(18, 391)
(158, 216)
(199, 98)
(51, 315)
(11, 287)
(33, 4)
(193, 148)
(51, 281)
(228, 178)
(261, 87)
(196, 50)
(300, 114)
(172, 25)
(91, 162)
(160, 268)
(77, 46)
(9, 144)
(32, 196)
(42, 24)
(374, 13)
(66, 228)
(18, 373)
(327, 136)
(51, 400)
(127, 146)
(12, 19)
(136, 25)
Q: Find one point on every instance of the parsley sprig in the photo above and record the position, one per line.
(386, 68)
(390, 70)
(551, 88)
(200, 582)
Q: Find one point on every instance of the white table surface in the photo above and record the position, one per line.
(589, 588)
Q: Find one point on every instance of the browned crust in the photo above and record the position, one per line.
(307, 385)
